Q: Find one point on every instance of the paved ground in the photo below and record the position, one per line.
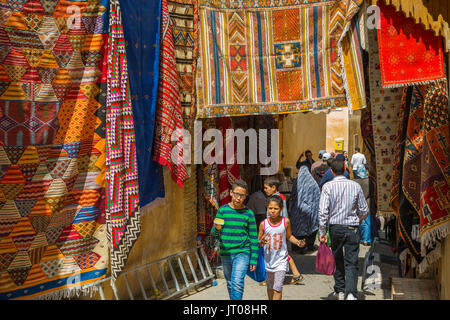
(316, 286)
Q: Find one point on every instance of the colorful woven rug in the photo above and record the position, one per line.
(52, 147)
(409, 54)
(169, 119)
(268, 57)
(122, 189)
(385, 107)
(141, 27)
(184, 17)
(228, 173)
(424, 168)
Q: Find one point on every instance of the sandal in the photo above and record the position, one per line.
(297, 280)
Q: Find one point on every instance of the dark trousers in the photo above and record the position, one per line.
(346, 257)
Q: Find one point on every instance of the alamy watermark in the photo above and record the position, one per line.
(230, 150)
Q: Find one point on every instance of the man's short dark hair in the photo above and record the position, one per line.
(272, 181)
(240, 184)
(329, 161)
(338, 166)
(307, 152)
(357, 149)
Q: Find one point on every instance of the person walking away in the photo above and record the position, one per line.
(344, 207)
(345, 154)
(328, 175)
(319, 171)
(365, 229)
(304, 208)
(271, 185)
(257, 200)
(357, 159)
(308, 161)
(238, 239)
(273, 233)
(318, 162)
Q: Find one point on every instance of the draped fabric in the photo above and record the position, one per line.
(141, 27)
(420, 191)
(304, 204)
(184, 17)
(385, 107)
(409, 54)
(228, 173)
(169, 118)
(52, 147)
(269, 57)
(122, 189)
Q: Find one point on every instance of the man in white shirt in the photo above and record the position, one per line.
(343, 206)
(357, 159)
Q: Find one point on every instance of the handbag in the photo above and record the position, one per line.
(325, 263)
(259, 275)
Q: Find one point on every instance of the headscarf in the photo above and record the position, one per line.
(304, 206)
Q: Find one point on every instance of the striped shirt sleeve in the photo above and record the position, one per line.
(253, 235)
(324, 210)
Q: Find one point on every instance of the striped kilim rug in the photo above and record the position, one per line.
(269, 57)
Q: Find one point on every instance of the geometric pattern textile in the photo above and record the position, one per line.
(122, 188)
(141, 22)
(169, 117)
(424, 168)
(270, 57)
(385, 108)
(52, 147)
(409, 54)
(184, 18)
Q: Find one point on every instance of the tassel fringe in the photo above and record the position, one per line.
(418, 83)
(69, 293)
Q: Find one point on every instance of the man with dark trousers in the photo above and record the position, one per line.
(343, 206)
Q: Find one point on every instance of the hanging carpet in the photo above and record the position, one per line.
(409, 54)
(169, 118)
(420, 192)
(385, 108)
(142, 29)
(52, 147)
(122, 188)
(269, 57)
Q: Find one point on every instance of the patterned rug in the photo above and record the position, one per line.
(385, 107)
(122, 188)
(52, 147)
(141, 26)
(184, 17)
(295, 64)
(421, 171)
(169, 119)
(409, 54)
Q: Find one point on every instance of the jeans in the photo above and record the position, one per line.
(235, 268)
(346, 274)
(365, 230)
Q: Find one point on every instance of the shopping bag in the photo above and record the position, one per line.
(325, 263)
(259, 274)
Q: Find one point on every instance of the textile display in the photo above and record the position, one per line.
(385, 108)
(409, 54)
(228, 173)
(353, 64)
(52, 147)
(122, 187)
(421, 172)
(268, 57)
(142, 29)
(184, 17)
(169, 119)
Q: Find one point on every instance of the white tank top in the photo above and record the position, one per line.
(275, 252)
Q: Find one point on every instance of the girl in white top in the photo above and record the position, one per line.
(273, 233)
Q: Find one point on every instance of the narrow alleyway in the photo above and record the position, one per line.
(316, 286)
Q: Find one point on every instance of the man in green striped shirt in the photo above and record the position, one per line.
(238, 239)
